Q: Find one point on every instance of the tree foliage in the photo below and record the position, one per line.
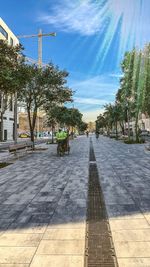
(11, 80)
(44, 88)
(133, 96)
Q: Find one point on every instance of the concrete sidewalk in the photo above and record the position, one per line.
(44, 200)
(124, 172)
(43, 209)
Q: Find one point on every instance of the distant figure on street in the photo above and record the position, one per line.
(97, 134)
(87, 133)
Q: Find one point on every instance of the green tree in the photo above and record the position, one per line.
(138, 89)
(69, 117)
(146, 87)
(122, 110)
(51, 120)
(82, 126)
(133, 96)
(126, 85)
(43, 87)
(11, 60)
(101, 123)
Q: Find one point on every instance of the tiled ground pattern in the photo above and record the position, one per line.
(124, 171)
(100, 249)
(43, 209)
(43, 205)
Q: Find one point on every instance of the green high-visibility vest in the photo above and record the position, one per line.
(61, 135)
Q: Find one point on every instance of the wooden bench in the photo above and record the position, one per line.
(29, 144)
(21, 147)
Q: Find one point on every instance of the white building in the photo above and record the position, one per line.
(7, 34)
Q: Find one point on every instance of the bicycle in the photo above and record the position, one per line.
(67, 147)
(63, 146)
(60, 148)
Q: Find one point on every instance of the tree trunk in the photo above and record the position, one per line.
(122, 127)
(2, 120)
(31, 127)
(52, 133)
(128, 120)
(2, 128)
(116, 126)
(4, 107)
(32, 136)
(72, 133)
(108, 131)
(136, 127)
(15, 119)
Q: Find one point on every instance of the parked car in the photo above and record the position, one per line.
(24, 135)
(144, 133)
(114, 134)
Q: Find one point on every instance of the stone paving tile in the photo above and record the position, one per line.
(16, 254)
(126, 211)
(30, 228)
(132, 249)
(57, 261)
(20, 240)
(61, 247)
(130, 224)
(147, 216)
(131, 235)
(14, 265)
(134, 262)
(67, 225)
(64, 234)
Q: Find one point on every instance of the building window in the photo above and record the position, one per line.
(5, 135)
(3, 32)
(11, 41)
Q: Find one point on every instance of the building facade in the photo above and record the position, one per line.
(8, 118)
(40, 125)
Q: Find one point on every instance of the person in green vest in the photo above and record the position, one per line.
(61, 137)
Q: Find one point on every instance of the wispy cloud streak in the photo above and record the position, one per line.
(83, 17)
(102, 19)
(89, 101)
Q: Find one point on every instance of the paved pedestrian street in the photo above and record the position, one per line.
(43, 208)
(43, 204)
(124, 172)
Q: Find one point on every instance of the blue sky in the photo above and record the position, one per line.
(92, 37)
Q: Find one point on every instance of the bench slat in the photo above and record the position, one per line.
(15, 147)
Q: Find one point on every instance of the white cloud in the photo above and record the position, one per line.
(116, 75)
(83, 17)
(92, 94)
(98, 87)
(92, 115)
(89, 101)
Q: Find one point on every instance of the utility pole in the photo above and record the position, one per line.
(40, 66)
(39, 35)
(40, 48)
(15, 118)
